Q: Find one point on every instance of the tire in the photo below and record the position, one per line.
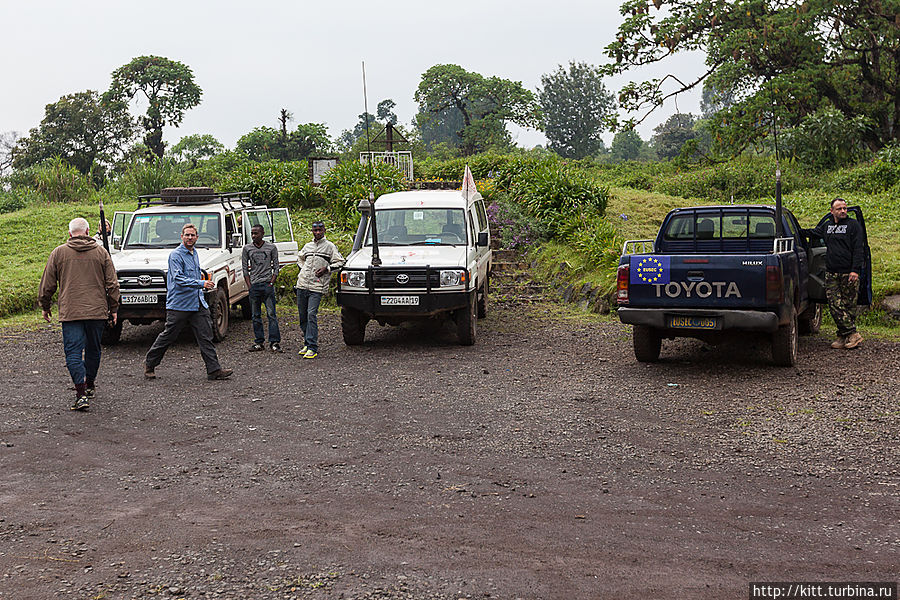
(785, 343)
(810, 320)
(483, 299)
(647, 343)
(218, 312)
(111, 335)
(353, 326)
(466, 321)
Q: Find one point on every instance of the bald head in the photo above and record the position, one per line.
(78, 226)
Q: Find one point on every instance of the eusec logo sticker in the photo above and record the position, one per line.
(649, 269)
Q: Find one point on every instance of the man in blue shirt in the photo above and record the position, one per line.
(186, 303)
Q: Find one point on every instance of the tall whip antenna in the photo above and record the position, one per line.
(779, 228)
(376, 259)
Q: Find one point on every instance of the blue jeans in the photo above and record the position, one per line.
(264, 293)
(81, 342)
(308, 308)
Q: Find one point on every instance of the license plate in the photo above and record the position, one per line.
(400, 300)
(680, 322)
(139, 299)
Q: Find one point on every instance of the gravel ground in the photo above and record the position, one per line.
(543, 462)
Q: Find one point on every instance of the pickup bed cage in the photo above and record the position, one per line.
(195, 197)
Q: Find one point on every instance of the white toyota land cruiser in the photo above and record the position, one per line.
(146, 237)
(430, 259)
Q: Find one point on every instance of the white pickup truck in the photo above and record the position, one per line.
(432, 261)
(145, 238)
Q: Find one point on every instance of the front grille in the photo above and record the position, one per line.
(141, 280)
(418, 278)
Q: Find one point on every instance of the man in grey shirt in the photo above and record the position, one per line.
(260, 262)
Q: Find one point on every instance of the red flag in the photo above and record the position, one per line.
(468, 185)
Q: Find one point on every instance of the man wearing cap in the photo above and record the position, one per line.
(316, 261)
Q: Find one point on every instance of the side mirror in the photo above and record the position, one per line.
(116, 242)
(236, 240)
(482, 239)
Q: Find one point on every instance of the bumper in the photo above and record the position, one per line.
(429, 303)
(747, 320)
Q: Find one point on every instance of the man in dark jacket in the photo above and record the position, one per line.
(843, 263)
(88, 297)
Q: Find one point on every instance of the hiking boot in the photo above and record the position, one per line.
(257, 348)
(853, 340)
(276, 347)
(148, 372)
(81, 403)
(220, 374)
(303, 350)
(839, 343)
(310, 354)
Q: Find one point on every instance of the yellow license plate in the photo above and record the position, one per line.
(680, 322)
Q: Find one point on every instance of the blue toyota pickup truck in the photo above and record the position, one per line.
(715, 271)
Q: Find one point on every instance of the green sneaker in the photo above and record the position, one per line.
(81, 403)
(303, 350)
(310, 354)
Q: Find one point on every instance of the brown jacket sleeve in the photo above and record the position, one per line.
(111, 280)
(49, 282)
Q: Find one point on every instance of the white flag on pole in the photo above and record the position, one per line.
(468, 185)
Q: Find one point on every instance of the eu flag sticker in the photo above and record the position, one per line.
(649, 269)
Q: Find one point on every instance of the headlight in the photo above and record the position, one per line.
(353, 278)
(454, 277)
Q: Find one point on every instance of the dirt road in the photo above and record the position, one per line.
(543, 462)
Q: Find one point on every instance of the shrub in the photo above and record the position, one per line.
(267, 181)
(141, 178)
(871, 178)
(348, 182)
(12, 201)
(516, 229)
(53, 180)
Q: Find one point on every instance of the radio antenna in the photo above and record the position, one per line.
(779, 228)
(376, 259)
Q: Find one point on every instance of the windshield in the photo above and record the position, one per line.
(164, 230)
(420, 226)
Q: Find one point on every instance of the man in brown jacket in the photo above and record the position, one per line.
(88, 297)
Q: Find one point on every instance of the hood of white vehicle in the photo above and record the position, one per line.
(414, 256)
(153, 259)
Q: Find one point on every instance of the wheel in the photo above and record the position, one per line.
(218, 311)
(466, 319)
(647, 343)
(353, 326)
(111, 335)
(785, 342)
(246, 309)
(483, 299)
(810, 320)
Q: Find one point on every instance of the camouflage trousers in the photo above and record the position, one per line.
(842, 295)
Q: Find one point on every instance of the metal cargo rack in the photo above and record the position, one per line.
(231, 201)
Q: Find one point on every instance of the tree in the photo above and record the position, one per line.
(267, 143)
(575, 104)
(781, 59)
(169, 88)
(385, 114)
(87, 131)
(385, 111)
(669, 137)
(194, 148)
(8, 140)
(626, 145)
(486, 105)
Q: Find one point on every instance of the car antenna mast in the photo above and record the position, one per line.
(376, 259)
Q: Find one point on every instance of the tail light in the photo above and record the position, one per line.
(622, 284)
(774, 286)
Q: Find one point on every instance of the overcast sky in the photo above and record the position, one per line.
(252, 58)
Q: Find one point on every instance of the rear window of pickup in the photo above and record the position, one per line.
(723, 225)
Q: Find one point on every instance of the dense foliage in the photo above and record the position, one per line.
(575, 106)
(168, 87)
(777, 59)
